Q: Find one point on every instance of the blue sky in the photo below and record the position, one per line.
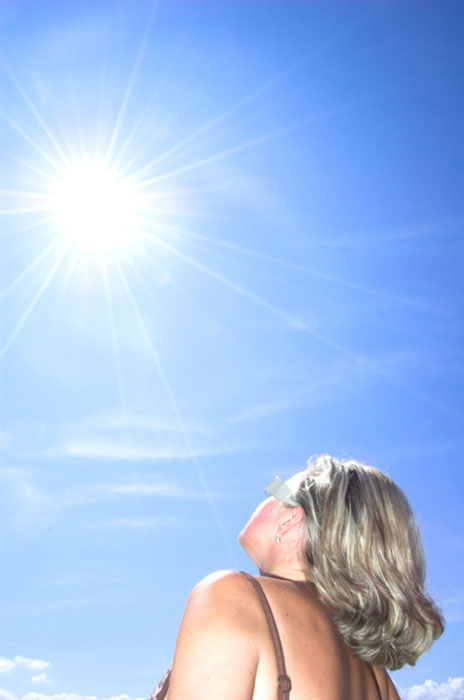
(291, 176)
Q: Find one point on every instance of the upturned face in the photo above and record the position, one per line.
(257, 537)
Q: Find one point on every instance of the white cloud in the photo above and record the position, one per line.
(32, 664)
(72, 696)
(6, 695)
(9, 665)
(453, 689)
(6, 665)
(58, 696)
(41, 678)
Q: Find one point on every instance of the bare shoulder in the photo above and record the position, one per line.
(221, 581)
(224, 592)
(214, 645)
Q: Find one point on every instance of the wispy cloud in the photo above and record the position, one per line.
(143, 523)
(123, 436)
(31, 505)
(134, 436)
(390, 241)
(27, 504)
(346, 375)
(453, 689)
(340, 376)
(129, 449)
(163, 490)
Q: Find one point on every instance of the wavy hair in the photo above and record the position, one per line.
(365, 557)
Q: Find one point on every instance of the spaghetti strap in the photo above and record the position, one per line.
(376, 682)
(284, 684)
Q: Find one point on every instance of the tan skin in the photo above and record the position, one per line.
(224, 649)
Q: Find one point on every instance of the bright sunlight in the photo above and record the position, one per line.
(95, 207)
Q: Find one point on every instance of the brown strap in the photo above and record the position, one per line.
(284, 684)
(376, 682)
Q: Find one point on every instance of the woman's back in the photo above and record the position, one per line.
(234, 657)
(318, 661)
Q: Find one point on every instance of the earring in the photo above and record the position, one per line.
(277, 538)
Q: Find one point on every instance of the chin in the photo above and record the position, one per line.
(241, 539)
(247, 545)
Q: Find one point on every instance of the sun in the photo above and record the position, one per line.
(96, 209)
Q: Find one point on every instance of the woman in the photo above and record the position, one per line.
(342, 569)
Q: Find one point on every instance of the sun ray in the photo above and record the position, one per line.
(407, 301)
(301, 325)
(33, 303)
(30, 268)
(258, 92)
(130, 85)
(179, 418)
(38, 149)
(68, 274)
(43, 175)
(205, 128)
(24, 210)
(114, 340)
(37, 223)
(137, 124)
(139, 276)
(207, 160)
(116, 157)
(295, 323)
(36, 113)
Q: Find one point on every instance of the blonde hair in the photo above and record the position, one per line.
(365, 558)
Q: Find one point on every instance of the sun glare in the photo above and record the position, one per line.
(96, 209)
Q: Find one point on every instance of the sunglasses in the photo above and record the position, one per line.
(280, 490)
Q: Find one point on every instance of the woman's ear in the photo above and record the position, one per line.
(290, 518)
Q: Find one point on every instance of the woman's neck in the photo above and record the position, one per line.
(287, 574)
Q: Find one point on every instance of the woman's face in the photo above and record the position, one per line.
(257, 537)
